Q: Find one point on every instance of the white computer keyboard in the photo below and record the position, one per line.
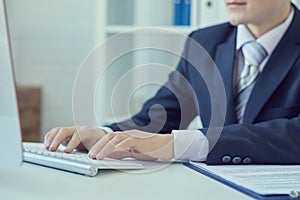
(76, 162)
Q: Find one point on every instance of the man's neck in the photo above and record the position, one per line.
(258, 29)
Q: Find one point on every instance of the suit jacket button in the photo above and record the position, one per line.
(236, 160)
(247, 160)
(226, 159)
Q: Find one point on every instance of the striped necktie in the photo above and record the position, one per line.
(254, 54)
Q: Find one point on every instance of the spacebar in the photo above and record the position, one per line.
(67, 165)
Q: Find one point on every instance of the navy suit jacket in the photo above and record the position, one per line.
(270, 132)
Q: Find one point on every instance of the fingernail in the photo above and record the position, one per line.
(67, 150)
(51, 148)
(91, 155)
(100, 157)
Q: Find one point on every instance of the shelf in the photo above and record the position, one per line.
(116, 29)
(127, 17)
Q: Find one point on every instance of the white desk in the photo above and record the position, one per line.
(32, 182)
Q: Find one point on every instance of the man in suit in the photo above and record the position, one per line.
(257, 55)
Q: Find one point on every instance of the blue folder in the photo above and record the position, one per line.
(177, 12)
(186, 12)
(237, 187)
(182, 12)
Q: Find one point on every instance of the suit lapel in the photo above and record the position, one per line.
(225, 56)
(275, 71)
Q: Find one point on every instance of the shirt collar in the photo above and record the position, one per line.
(269, 40)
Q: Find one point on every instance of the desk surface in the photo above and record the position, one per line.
(173, 182)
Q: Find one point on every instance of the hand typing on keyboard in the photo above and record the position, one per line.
(81, 138)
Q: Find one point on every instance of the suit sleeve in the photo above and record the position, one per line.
(271, 142)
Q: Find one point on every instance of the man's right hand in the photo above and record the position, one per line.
(77, 137)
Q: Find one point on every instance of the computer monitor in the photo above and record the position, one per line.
(10, 131)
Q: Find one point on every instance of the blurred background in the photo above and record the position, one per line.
(51, 39)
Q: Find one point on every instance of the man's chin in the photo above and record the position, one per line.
(234, 22)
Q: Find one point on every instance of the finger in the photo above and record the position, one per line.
(130, 143)
(109, 147)
(100, 144)
(119, 155)
(114, 146)
(62, 134)
(66, 141)
(50, 136)
(73, 143)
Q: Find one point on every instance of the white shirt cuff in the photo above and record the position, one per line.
(106, 129)
(190, 145)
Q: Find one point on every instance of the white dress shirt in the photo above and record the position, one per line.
(192, 145)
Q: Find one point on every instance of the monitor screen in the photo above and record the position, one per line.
(10, 133)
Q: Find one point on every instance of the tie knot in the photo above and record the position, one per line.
(254, 53)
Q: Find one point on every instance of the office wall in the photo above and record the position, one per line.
(50, 39)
